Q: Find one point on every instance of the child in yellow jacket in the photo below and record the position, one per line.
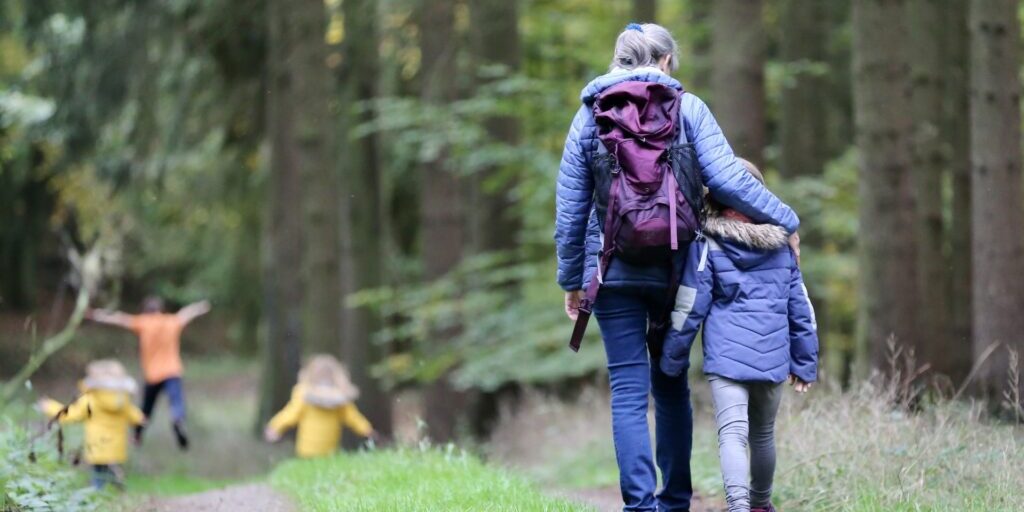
(105, 406)
(322, 403)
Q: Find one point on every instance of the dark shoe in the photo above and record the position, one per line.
(180, 435)
(769, 508)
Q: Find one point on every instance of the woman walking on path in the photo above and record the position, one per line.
(630, 294)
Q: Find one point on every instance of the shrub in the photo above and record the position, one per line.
(32, 477)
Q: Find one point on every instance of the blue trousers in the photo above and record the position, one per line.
(622, 314)
(103, 474)
(175, 395)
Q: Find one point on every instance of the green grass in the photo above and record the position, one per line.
(170, 484)
(409, 480)
(844, 451)
(592, 465)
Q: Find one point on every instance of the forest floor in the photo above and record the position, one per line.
(221, 406)
(226, 468)
(837, 451)
(258, 497)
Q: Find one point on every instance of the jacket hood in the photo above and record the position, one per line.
(745, 243)
(109, 400)
(619, 75)
(109, 383)
(325, 383)
(327, 397)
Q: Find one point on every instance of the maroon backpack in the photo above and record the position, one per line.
(648, 192)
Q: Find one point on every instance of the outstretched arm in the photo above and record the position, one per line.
(355, 420)
(285, 419)
(193, 311)
(77, 411)
(115, 318)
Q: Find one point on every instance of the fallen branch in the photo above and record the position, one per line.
(50, 346)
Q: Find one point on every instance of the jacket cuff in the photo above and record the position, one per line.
(805, 373)
(570, 286)
(793, 226)
(673, 367)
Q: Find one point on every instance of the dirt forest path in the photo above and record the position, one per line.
(262, 498)
(608, 499)
(245, 497)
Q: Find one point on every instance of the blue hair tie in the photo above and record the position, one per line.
(635, 26)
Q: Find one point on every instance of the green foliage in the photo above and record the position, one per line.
(512, 327)
(170, 484)
(413, 480)
(828, 206)
(141, 123)
(32, 478)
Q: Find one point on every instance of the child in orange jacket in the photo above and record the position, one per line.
(159, 336)
(322, 403)
(105, 407)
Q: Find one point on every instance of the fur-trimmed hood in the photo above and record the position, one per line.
(109, 375)
(747, 244)
(326, 383)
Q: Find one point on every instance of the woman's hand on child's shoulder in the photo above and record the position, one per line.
(799, 385)
(794, 245)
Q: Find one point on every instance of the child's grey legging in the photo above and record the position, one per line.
(746, 410)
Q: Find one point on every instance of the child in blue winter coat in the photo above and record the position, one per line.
(742, 283)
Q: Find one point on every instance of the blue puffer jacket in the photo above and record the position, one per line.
(742, 282)
(576, 232)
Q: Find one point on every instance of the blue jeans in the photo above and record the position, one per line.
(622, 314)
(175, 395)
(103, 474)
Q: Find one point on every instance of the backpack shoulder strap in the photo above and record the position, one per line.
(681, 123)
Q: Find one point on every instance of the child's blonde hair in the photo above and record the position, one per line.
(709, 202)
(752, 169)
(108, 374)
(327, 381)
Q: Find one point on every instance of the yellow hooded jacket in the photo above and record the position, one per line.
(107, 416)
(319, 428)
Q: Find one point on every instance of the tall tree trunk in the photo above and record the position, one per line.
(698, 38)
(282, 348)
(887, 245)
(929, 161)
(803, 122)
(803, 117)
(496, 221)
(496, 43)
(997, 216)
(364, 247)
(442, 230)
(314, 138)
(738, 49)
(645, 11)
(958, 135)
(840, 80)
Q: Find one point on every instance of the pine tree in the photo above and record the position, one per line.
(738, 52)
(996, 207)
(888, 277)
